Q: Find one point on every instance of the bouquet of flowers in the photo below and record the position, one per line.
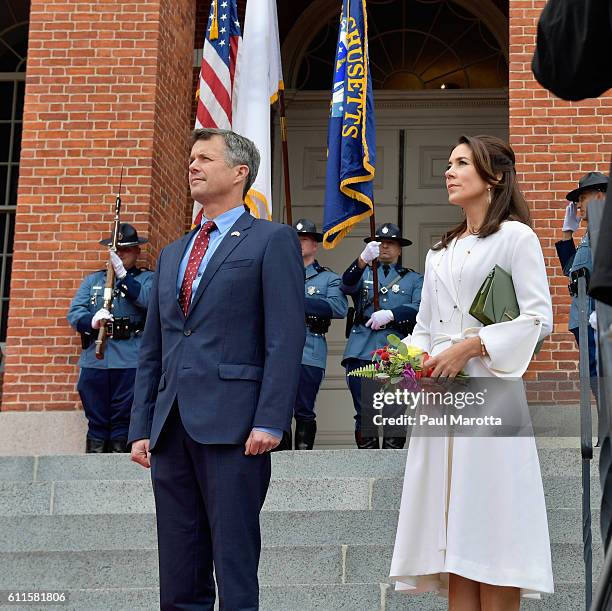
(397, 363)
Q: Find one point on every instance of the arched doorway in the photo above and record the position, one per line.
(439, 69)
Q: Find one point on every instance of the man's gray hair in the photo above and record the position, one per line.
(238, 150)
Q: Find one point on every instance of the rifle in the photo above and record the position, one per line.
(109, 287)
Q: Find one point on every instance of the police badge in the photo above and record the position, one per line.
(311, 290)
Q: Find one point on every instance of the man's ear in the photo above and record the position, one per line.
(242, 172)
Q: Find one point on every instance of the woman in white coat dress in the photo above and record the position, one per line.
(472, 522)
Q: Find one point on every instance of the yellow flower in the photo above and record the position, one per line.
(414, 351)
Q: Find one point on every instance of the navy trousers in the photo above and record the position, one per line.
(354, 385)
(310, 381)
(107, 396)
(207, 499)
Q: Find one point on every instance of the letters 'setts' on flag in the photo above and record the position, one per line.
(351, 143)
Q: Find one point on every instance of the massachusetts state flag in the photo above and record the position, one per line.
(259, 78)
(351, 140)
(216, 90)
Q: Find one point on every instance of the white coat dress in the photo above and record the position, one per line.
(474, 506)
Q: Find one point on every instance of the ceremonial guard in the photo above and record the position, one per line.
(323, 301)
(592, 186)
(399, 291)
(106, 385)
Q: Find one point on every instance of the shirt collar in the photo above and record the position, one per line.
(226, 220)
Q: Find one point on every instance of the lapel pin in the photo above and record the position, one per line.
(235, 234)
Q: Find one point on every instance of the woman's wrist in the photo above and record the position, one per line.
(476, 346)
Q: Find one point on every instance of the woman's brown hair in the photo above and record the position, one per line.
(493, 158)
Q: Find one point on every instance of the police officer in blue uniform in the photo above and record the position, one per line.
(591, 186)
(324, 301)
(399, 291)
(106, 386)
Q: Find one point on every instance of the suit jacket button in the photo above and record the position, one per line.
(187, 332)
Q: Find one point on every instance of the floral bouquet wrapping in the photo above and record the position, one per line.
(397, 363)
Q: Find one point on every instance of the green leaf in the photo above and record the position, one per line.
(393, 340)
(402, 349)
(367, 371)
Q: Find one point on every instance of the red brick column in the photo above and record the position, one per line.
(556, 142)
(108, 84)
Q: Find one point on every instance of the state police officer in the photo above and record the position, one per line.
(324, 301)
(399, 291)
(106, 386)
(591, 186)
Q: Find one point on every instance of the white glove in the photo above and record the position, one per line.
(370, 252)
(118, 266)
(571, 221)
(593, 320)
(380, 319)
(99, 316)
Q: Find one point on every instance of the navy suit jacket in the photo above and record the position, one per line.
(233, 363)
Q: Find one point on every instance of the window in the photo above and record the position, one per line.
(13, 50)
(415, 45)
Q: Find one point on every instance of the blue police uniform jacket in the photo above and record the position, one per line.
(572, 259)
(131, 299)
(323, 298)
(399, 291)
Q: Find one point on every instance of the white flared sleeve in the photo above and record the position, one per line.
(421, 336)
(510, 344)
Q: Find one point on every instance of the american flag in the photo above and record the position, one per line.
(218, 66)
(215, 92)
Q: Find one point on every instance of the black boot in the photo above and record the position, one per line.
(366, 443)
(118, 446)
(95, 446)
(305, 432)
(285, 443)
(393, 443)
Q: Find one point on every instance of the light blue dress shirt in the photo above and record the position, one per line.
(223, 223)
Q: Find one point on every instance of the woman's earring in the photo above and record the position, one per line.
(489, 195)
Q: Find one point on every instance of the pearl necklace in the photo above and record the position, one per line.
(456, 287)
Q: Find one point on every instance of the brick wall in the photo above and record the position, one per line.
(108, 84)
(556, 142)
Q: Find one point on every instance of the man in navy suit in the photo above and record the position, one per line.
(216, 382)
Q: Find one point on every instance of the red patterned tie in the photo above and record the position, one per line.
(200, 246)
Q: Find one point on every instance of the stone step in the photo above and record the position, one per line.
(335, 597)
(56, 533)
(285, 494)
(316, 463)
(560, 492)
(279, 565)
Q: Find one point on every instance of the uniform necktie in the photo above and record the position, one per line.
(200, 246)
(386, 270)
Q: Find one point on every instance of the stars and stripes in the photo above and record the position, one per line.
(218, 66)
(216, 89)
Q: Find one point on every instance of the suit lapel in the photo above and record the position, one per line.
(227, 245)
(175, 263)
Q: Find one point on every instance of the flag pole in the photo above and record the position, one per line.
(374, 267)
(285, 149)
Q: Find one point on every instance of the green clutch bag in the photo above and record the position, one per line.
(496, 301)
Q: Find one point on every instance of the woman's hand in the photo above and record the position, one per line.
(451, 361)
